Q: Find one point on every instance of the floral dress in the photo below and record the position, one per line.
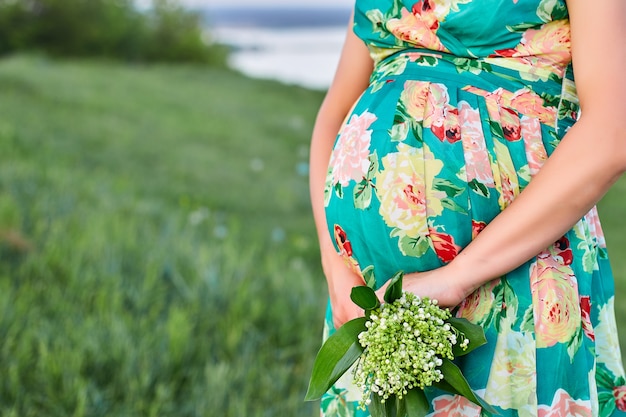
(467, 100)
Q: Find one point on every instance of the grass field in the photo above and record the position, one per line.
(157, 253)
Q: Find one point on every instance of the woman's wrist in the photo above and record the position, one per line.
(467, 274)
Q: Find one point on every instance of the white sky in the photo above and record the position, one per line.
(257, 3)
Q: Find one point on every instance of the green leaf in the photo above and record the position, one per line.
(418, 131)
(528, 322)
(339, 190)
(379, 409)
(416, 403)
(430, 61)
(574, 344)
(479, 187)
(452, 205)
(444, 386)
(447, 187)
(399, 131)
(415, 247)
(373, 168)
(335, 357)
(521, 27)
(394, 290)
(363, 194)
(496, 129)
(473, 332)
(453, 376)
(376, 408)
(364, 297)
(401, 407)
(368, 276)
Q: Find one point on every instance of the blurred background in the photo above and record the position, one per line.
(157, 251)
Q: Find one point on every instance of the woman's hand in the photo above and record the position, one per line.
(441, 284)
(341, 279)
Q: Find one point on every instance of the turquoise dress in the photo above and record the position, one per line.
(467, 100)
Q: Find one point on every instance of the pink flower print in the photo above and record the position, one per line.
(529, 103)
(545, 49)
(585, 311)
(536, 154)
(430, 103)
(447, 127)
(555, 297)
(509, 189)
(523, 101)
(620, 397)
(595, 228)
(440, 116)
(350, 157)
(437, 105)
(478, 166)
(418, 28)
(454, 406)
(549, 46)
(563, 405)
(415, 56)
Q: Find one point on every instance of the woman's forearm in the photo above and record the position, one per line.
(591, 156)
(573, 179)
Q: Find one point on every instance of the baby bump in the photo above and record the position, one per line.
(420, 167)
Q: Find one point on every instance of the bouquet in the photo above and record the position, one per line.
(398, 349)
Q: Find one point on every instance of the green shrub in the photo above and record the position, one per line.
(106, 28)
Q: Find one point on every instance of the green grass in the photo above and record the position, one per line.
(157, 252)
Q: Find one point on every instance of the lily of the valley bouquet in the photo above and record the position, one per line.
(398, 349)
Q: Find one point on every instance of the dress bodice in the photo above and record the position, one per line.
(531, 34)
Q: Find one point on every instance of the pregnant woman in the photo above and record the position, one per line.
(463, 153)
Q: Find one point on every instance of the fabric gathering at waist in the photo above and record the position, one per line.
(429, 65)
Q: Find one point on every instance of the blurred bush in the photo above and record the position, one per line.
(165, 31)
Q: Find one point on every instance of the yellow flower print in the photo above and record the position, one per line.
(477, 306)
(512, 380)
(607, 343)
(442, 8)
(405, 189)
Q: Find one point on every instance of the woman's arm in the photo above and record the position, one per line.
(351, 79)
(590, 158)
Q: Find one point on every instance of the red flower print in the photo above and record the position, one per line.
(341, 238)
(564, 251)
(345, 250)
(585, 309)
(620, 397)
(447, 128)
(510, 124)
(444, 245)
(508, 53)
(477, 227)
(425, 10)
